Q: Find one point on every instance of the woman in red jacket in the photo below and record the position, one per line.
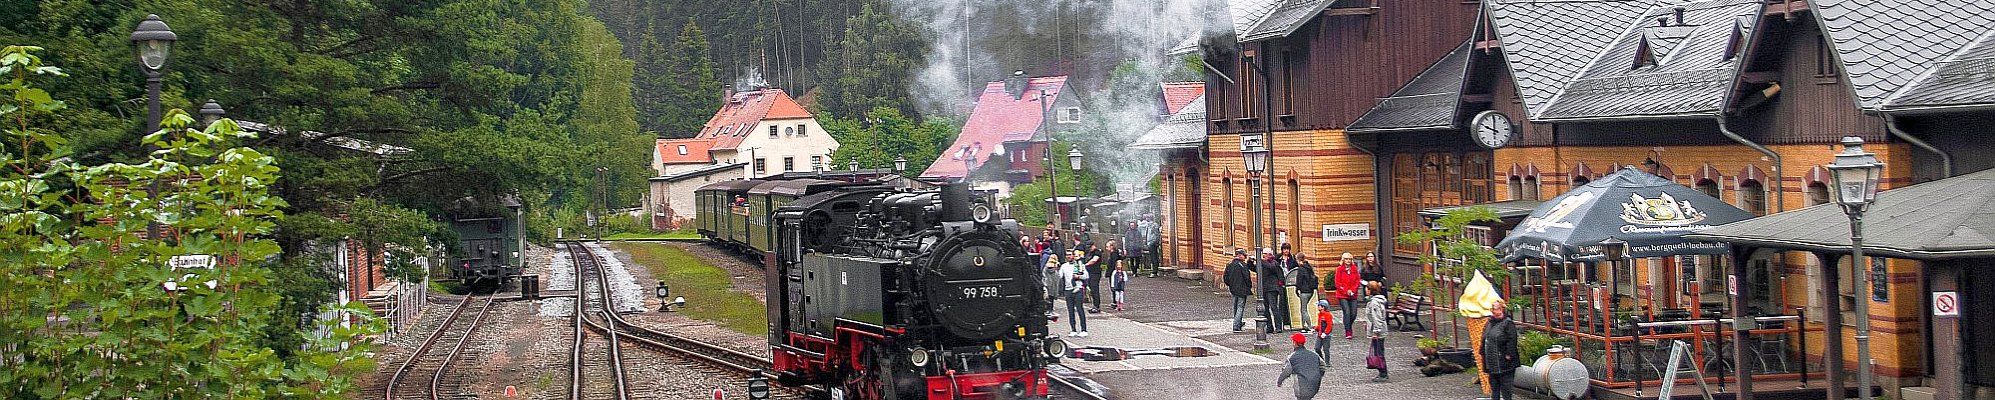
(1347, 280)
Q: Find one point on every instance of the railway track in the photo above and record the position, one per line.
(586, 264)
(425, 359)
(721, 360)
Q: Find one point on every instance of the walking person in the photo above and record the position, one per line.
(1325, 323)
(1239, 278)
(1097, 261)
(1273, 297)
(1305, 366)
(1132, 243)
(1376, 328)
(1499, 352)
(1152, 246)
(1348, 285)
(1075, 279)
(1305, 289)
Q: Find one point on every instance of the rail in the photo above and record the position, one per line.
(429, 343)
(584, 262)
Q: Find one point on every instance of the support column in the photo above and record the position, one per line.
(1742, 322)
(1946, 347)
(1832, 325)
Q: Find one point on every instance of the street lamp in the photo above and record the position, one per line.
(900, 164)
(211, 112)
(1614, 250)
(153, 39)
(1254, 154)
(1074, 159)
(1855, 173)
(852, 165)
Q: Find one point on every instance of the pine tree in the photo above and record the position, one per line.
(694, 91)
(655, 83)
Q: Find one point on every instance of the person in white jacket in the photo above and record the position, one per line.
(1073, 278)
(1375, 325)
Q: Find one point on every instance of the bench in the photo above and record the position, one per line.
(1405, 311)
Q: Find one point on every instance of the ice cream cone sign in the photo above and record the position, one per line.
(1478, 297)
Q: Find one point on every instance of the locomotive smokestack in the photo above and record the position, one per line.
(956, 202)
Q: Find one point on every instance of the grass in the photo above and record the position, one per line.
(708, 289)
(654, 236)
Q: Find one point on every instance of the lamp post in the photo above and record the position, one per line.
(153, 40)
(603, 190)
(1614, 250)
(1268, 138)
(1855, 173)
(900, 164)
(1254, 154)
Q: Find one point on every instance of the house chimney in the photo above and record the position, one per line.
(1662, 21)
(727, 96)
(1015, 85)
(1679, 15)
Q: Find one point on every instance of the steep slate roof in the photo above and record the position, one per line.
(743, 110)
(1690, 74)
(1246, 13)
(696, 151)
(1184, 129)
(1548, 42)
(1947, 218)
(1960, 79)
(1884, 44)
(998, 118)
(1284, 18)
(1430, 101)
(1179, 94)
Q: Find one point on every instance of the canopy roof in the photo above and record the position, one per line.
(1649, 212)
(1943, 219)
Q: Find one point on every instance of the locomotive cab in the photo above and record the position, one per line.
(907, 295)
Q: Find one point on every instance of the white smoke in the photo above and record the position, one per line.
(1129, 37)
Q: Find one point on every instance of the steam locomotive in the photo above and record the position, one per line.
(886, 294)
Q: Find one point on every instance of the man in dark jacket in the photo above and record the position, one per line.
(1499, 352)
(1239, 280)
(1272, 294)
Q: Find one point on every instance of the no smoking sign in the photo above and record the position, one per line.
(1946, 304)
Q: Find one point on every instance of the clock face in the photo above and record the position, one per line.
(1491, 129)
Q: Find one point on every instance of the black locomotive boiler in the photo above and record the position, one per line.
(880, 293)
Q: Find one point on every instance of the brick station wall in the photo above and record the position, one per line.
(1333, 184)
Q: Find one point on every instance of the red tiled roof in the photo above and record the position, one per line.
(997, 119)
(696, 151)
(743, 110)
(1179, 94)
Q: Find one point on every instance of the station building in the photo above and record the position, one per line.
(756, 133)
(1378, 111)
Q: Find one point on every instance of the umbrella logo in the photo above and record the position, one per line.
(1665, 210)
(1556, 217)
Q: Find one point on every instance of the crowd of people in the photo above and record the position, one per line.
(1353, 291)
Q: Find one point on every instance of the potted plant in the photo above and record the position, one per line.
(1428, 346)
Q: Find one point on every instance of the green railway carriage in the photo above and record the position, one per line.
(719, 216)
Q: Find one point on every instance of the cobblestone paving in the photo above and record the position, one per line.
(1204, 311)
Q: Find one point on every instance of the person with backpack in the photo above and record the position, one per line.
(1305, 288)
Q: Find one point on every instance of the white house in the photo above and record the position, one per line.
(756, 133)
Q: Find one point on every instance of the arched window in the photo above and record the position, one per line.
(1230, 224)
(1752, 196)
(1517, 188)
(1581, 180)
(1709, 187)
(1818, 193)
(1530, 187)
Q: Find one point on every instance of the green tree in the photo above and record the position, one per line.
(692, 91)
(884, 134)
(88, 313)
(870, 65)
(1028, 202)
(1457, 256)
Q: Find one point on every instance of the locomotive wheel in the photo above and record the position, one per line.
(863, 381)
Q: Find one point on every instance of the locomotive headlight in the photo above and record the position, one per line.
(918, 357)
(982, 214)
(1055, 347)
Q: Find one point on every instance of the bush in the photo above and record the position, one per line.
(1532, 344)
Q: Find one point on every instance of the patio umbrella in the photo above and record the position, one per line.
(1649, 212)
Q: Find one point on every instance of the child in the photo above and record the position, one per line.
(1324, 324)
(1118, 281)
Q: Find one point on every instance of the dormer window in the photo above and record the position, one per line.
(1737, 41)
(682, 149)
(1644, 54)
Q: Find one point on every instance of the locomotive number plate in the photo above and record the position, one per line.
(980, 292)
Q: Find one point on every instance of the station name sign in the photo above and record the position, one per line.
(1346, 232)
